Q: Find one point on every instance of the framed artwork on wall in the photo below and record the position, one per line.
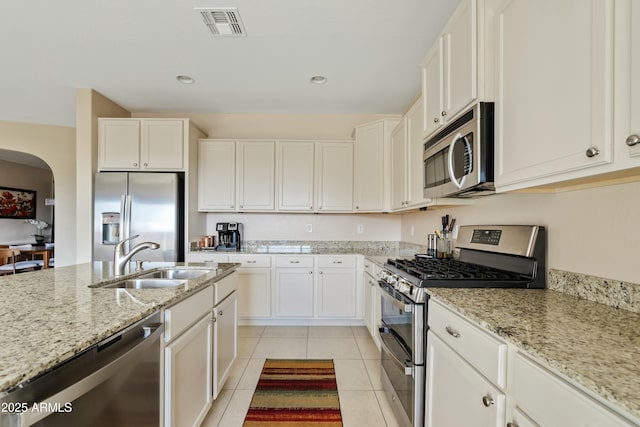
(16, 203)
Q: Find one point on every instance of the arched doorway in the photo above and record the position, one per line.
(23, 176)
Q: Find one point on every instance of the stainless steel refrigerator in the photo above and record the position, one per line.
(148, 204)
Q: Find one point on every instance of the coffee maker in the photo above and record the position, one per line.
(229, 236)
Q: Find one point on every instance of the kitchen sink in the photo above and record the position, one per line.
(175, 274)
(146, 283)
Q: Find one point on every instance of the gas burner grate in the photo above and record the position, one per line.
(449, 269)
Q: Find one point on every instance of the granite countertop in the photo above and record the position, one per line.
(595, 345)
(50, 315)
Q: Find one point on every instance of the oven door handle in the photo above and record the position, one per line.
(455, 140)
(407, 308)
(408, 367)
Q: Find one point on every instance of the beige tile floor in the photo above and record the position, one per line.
(356, 361)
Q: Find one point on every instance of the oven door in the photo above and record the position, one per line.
(404, 320)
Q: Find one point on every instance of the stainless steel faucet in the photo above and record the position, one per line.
(120, 259)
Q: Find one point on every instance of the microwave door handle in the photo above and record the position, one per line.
(456, 138)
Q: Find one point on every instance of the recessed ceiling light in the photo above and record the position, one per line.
(318, 80)
(185, 80)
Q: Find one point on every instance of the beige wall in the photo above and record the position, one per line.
(89, 106)
(325, 226)
(25, 177)
(56, 145)
(593, 231)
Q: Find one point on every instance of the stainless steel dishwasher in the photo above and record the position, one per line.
(114, 383)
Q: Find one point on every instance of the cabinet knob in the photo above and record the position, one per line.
(592, 152)
(320, 272)
(444, 113)
(311, 272)
(135, 164)
(220, 313)
(357, 207)
(241, 206)
(512, 424)
(146, 164)
(319, 207)
(633, 140)
(487, 400)
(310, 207)
(213, 319)
(231, 206)
(436, 119)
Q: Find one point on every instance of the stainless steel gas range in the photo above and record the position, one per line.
(510, 256)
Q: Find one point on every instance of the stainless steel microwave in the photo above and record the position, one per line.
(458, 161)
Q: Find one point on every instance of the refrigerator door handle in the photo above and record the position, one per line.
(125, 219)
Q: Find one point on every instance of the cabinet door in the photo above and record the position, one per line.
(432, 88)
(256, 175)
(368, 170)
(456, 394)
(415, 149)
(118, 144)
(369, 304)
(188, 376)
(162, 145)
(216, 175)
(460, 39)
(337, 292)
(225, 341)
(399, 165)
(254, 293)
(334, 176)
(294, 292)
(295, 176)
(634, 128)
(554, 88)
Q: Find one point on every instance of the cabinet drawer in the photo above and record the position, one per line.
(225, 287)
(296, 261)
(179, 317)
(250, 261)
(486, 353)
(206, 257)
(551, 401)
(337, 261)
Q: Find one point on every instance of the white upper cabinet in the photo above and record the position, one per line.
(216, 175)
(450, 69)
(141, 144)
(256, 175)
(399, 166)
(554, 89)
(630, 133)
(295, 175)
(334, 176)
(415, 149)
(371, 154)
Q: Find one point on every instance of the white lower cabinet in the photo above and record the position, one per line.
(188, 360)
(294, 292)
(225, 340)
(337, 286)
(541, 398)
(456, 394)
(371, 300)
(254, 286)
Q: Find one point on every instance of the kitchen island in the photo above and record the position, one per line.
(48, 316)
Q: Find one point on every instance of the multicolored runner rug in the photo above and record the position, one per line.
(295, 393)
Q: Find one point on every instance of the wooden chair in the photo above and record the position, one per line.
(13, 266)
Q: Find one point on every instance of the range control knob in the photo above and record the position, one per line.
(403, 286)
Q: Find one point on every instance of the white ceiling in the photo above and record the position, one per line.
(132, 50)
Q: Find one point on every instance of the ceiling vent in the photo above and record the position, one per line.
(223, 21)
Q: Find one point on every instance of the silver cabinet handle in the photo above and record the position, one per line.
(337, 262)
(452, 332)
(320, 272)
(444, 113)
(135, 164)
(241, 206)
(357, 207)
(213, 319)
(146, 164)
(251, 262)
(487, 400)
(220, 313)
(633, 140)
(436, 119)
(592, 152)
(231, 206)
(294, 262)
(311, 272)
(512, 424)
(310, 207)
